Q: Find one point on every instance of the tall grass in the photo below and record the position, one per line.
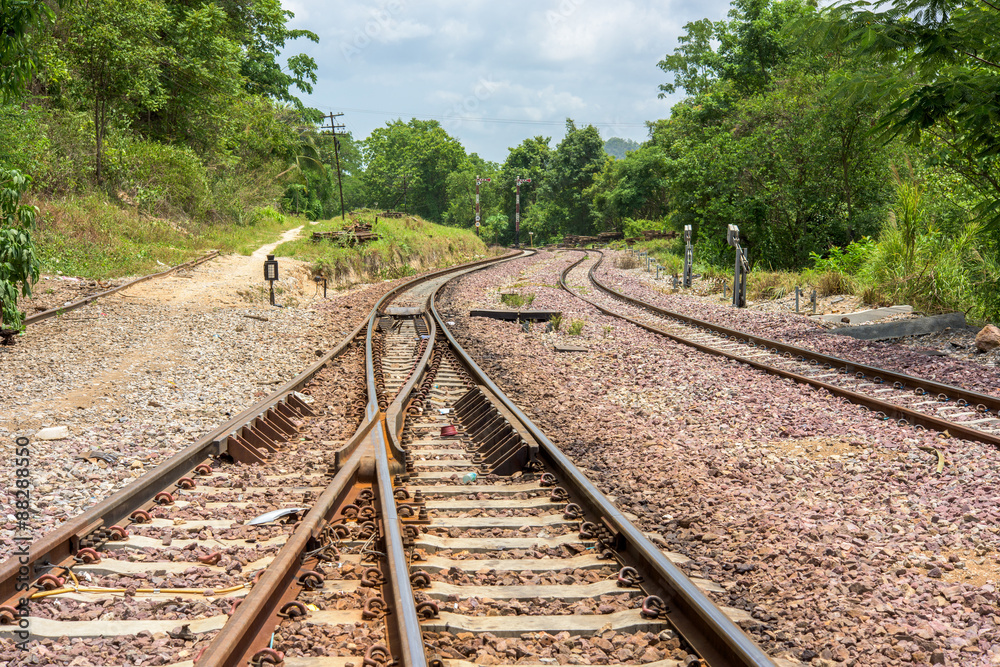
(929, 271)
(405, 246)
(93, 238)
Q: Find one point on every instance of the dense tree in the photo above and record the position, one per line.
(114, 49)
(763, 143)
(937, 68)
(462, 192)
(407, 166)
(528, 160)
(20, 20)
(747, 49)
(633, 187)
(562, 207)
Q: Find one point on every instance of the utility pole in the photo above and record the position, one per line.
(478, 181)
(517, 209)
(336, 128)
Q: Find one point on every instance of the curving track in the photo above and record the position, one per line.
(888, 394)
(446, 528)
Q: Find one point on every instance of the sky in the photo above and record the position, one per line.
(494, 73)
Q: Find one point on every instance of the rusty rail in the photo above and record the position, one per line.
(254, 618)
(62, 542)
(712, 634)
(79, 303)
(890, 410)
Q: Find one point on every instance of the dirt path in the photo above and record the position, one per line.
(229, 281)
(182, 329)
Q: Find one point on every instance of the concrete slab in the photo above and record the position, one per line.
(466, 489)
(516, 315)
(512, 522)
(440, 591)
(47, 628)
(433, 543)
(463, 505)
(902, 328)
(143, 542)
(863, 316)
(514, 626)
(156, 568)
(583, 562)
(403, 311)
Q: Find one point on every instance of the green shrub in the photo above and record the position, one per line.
(932, 271)
(575, 328)
(556, 322)
(164, 180)
(763, 285)
(632, 228)
(515, 300)
(848, 260)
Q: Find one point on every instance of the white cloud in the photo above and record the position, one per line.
(542, 62)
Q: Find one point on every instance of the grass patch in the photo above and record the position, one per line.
(406, 246)
(765, 285)
(627, 261)
(515, 300)
(556, 322)
(575, 328)
(96, 239)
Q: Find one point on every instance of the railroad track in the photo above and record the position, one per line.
(7, 335)
(889, 395)
(447, 530)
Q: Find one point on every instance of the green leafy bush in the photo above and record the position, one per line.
(515, 300)
(19, 266)
(575, 327)
(847, 260)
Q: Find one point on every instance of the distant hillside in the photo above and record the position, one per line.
(617, 146)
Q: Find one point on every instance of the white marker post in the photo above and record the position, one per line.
(478, 181)
(517, 209)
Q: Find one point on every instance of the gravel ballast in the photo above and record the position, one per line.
(831, 528)
(911, 358)
(140, 381)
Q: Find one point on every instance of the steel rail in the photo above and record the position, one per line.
(238, 639)
(79, 303)
(395, 419)
(890, 410)
(234, 645)
(409, 635)
(706, 627)
(408, 647)
(931, 386)
(60, 543)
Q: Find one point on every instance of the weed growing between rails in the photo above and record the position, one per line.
(515, 300)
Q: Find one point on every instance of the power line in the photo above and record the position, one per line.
(474, 119)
